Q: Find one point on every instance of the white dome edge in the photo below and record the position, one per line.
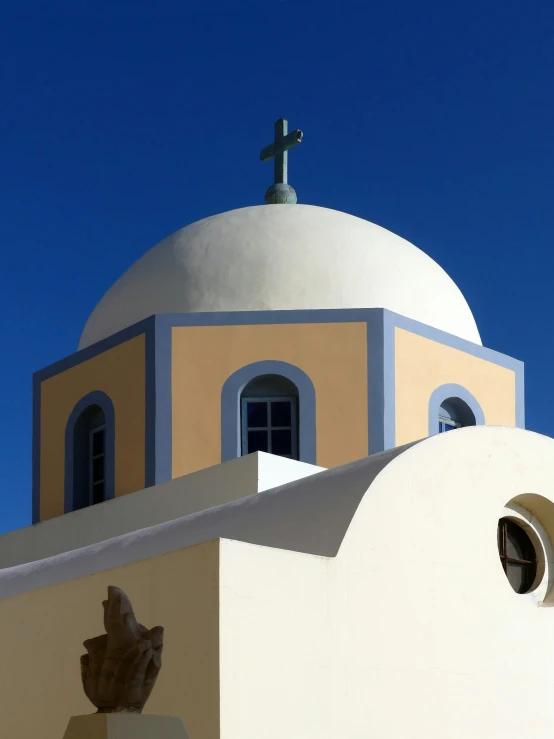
(271, 257)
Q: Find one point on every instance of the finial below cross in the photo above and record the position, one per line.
(281, 192)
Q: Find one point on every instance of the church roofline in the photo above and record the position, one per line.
(281, 518)
(380, 322)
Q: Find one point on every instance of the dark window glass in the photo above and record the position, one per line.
(98, 493)
(515, 545)
(256, 415)
(257, 441)
(281, 413)
(89, 457)
(517, 577)
(98, 442)
(281, 442)
(263, 414)
(97, 469)
(517, 555)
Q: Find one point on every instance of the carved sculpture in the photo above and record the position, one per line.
(121, 666)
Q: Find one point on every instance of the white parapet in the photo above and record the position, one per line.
(182, 496)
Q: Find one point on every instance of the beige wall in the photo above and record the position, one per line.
(120, 373)
(333, 355)
(44, 630)
(422, 365)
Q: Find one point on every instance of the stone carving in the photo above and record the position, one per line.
(121, 666)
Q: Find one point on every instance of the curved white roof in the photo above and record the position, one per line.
(282, 518)
(273, 257)
(315, 514)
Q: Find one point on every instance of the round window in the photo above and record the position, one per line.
(517, 555)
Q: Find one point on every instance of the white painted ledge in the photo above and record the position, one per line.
(192, 493)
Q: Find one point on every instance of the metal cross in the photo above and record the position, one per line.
(278, 150)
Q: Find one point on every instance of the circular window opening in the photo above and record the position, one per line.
(517, 555)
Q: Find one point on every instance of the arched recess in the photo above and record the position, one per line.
(87, 448)
(231, 445)
(454, 402)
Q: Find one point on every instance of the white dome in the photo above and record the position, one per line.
(282, 257)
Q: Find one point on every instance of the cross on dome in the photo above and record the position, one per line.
(281, 191)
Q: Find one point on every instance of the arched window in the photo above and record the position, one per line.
(455, 413)
(89, 450)
(452, 406)
(269, 416)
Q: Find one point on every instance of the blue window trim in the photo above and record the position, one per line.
(450, 390)
(97, 397)
(231, 402)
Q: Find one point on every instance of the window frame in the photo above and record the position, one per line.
(91, 458)
(76, 485)
(530, 567)
(443, 421)
(269, 428)
(236, 386)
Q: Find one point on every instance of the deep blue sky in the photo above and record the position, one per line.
(120, 123)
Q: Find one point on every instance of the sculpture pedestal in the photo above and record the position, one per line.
(125, 726)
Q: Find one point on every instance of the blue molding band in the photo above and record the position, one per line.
(451, 390)
(162, 390)
(389, 385)
(520, 396)
(381, 324)
(376, 379)
(95, 349)
(96, 397)
(35, 501)
(158, 402)
(150, 377)
(230, 407)
(256, 318)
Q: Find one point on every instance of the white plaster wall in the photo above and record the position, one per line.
(412, 630)
(198, 491)
(291, 258)
(274, 640)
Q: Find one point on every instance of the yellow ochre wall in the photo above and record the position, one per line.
(333, 355)
(422, 365)
(120, 373)
(40, 684)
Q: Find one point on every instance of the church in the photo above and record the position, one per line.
(251, 441)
